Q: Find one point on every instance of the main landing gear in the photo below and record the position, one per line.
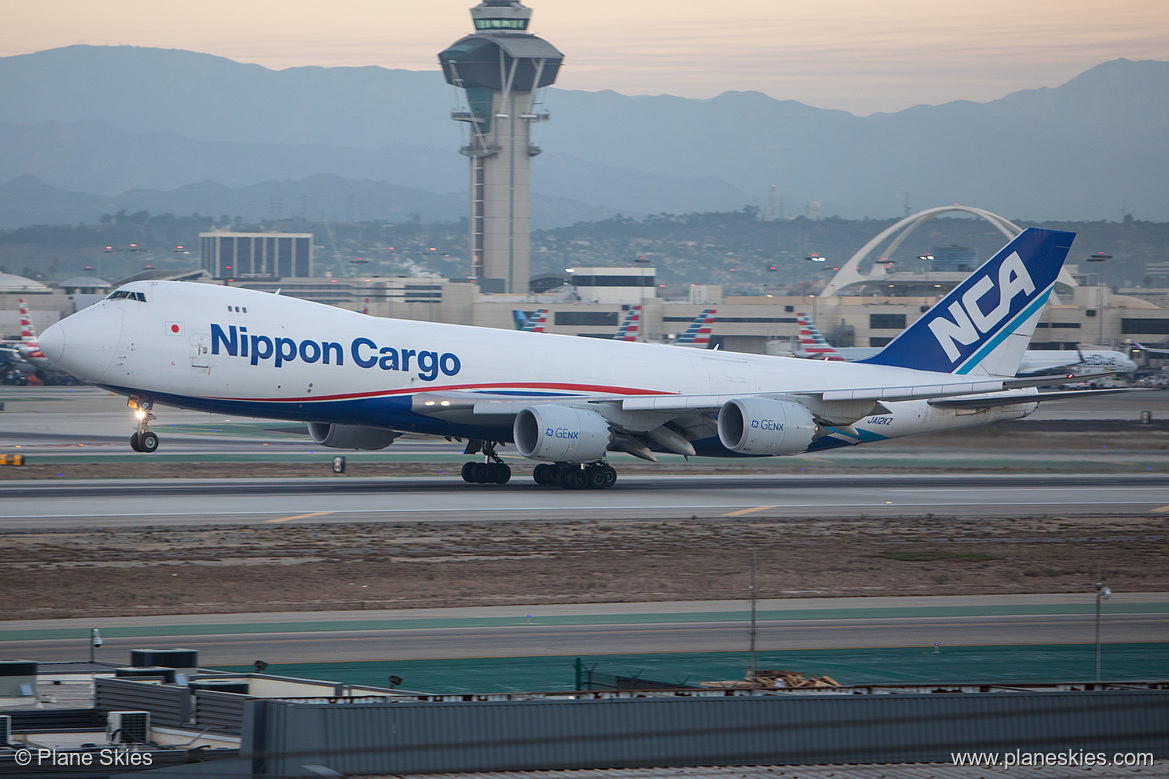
(575, 476)
(142, 440)
(494, 471)
(597, 475)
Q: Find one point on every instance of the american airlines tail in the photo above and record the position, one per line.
(697, 335)
(630, 329)
(985, 324)
(813, 345)
(27, 334)
(534, 323)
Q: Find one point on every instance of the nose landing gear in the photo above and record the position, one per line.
(142, 440)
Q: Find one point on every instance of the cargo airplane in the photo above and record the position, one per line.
(360, 382)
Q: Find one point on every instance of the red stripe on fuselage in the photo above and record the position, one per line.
(535, 386)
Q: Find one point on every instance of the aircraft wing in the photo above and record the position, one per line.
(831, 404)
(828, 406)
(1150, 349)
(713, 402)
(1052, 379)
(1010, 399)
(1049, 369)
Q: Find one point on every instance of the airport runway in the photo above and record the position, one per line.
(604, 629)
(162, 503)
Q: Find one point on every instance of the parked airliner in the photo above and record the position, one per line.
(28, 351)
(360, 382)
(26, 348)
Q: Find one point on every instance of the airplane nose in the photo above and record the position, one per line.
(52, 343)
(83, 344)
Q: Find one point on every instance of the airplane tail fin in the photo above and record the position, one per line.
(538, 321)
(27, 334)
(698, 333)
(530, 324)
(813, 345)
(630, 329)
(983, 326)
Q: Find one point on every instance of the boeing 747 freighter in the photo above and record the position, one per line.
(359, 382)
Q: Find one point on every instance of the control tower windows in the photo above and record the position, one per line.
(501, 24)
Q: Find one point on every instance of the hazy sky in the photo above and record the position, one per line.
(858, 55)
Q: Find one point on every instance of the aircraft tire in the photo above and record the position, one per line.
(482, 473)
(610, 475)
(500, 473)
(542, 475)
(135, 444)
(148, 441)
(596, 477)
(574, 478)
(467, 472)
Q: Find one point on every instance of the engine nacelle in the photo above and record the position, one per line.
(561, 434)
(351, 436)
(760, 426)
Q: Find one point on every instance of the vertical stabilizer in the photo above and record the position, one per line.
(698, 333)
(630, 329)
(983, 326)
(813, 345)
(537, 322)
(28, 335)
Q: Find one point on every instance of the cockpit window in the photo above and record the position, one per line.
(122, 294)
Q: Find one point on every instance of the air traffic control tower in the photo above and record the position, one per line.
(500, 69)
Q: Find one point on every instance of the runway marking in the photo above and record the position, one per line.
(301, 516)
(741, 512)
(602, 507)
(1162, 509)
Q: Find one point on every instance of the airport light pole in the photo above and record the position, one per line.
(1102, 594)
(752, 669)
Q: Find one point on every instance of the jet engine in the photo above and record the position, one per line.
(561, 434)
(760, 426)
(351, 436)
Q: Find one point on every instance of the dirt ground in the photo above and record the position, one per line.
(372, 566)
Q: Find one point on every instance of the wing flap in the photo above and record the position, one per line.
(1011, 398)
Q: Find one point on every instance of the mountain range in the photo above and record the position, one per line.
(86, 130)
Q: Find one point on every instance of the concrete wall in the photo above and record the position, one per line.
(629, 732)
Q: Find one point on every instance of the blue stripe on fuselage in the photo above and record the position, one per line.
(392, 412)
